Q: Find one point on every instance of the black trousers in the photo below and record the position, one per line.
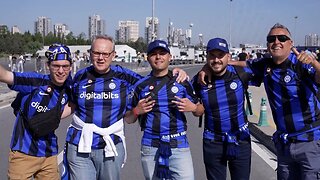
(216, 162)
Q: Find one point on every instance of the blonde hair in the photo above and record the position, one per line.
(105, 37)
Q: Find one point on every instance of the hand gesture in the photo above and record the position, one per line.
(184, 104)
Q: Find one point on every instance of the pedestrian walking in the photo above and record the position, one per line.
(20, 65)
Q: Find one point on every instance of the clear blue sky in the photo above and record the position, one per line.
(251, 19)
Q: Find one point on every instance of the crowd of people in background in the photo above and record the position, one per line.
(16, 63)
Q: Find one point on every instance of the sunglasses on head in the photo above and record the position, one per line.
(281, 38)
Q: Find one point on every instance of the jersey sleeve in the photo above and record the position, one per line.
(26, 82)
(190, 92)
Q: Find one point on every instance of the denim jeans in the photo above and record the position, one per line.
(180, 163)
(216, 163)
(94, 165)
(301, 162)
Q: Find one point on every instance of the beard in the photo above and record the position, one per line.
(217, 70)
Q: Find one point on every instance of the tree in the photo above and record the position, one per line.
(81, 39)
(138, 45)
(70, 39)
(33, 46)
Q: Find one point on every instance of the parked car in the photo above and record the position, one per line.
(27, 57)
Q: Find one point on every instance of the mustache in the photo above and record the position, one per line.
(216, 62)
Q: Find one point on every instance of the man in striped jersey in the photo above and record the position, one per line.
(226, 137)
(291, 80)
(160, 102)
(32, 156)
(96, 142)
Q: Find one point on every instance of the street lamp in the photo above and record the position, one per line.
(295, 24)
(153, 36)
(230, 24)
(170, 34)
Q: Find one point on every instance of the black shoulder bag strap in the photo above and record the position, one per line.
(244, 78)
(156, 89)
(154, 93)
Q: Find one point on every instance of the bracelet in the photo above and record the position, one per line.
(135, 112)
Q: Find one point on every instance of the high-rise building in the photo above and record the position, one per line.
(179, 37)
(15, 29)
(43, 26)
(61, 30)
(148, 29)
(128, 31)
(312, 40)
(96, 26)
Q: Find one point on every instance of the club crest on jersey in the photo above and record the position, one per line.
(287, 78)
(233, 85)
(112, 85)
(130, 95)
(174, 89)
(151, 87)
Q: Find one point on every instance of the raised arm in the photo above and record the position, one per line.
(238, 63)
(6, 76)
(308, 58)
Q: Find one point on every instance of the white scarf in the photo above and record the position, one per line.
(86, 137)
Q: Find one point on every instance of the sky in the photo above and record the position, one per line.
(250, 20)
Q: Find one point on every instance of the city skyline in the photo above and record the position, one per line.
(250, 19)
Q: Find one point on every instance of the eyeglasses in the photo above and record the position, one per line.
(104, 54)
(281, 38)
(56, 67)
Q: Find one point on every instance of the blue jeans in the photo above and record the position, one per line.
(216, 162)
(180, 163)
(94, 165)
(299, 161)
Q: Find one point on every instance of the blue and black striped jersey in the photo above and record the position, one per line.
(44, 97)
(223, 100)
(100, 99)
(165, 118)
(289, 89)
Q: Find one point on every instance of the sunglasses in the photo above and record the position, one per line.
(281, 38)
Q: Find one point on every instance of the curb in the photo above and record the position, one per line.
(265, 139)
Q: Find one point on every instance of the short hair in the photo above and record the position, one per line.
(280, 26)
(105, 37)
